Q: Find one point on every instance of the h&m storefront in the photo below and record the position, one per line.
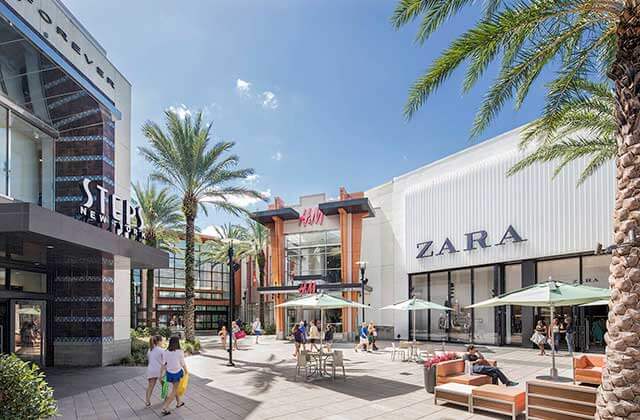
(69, 235)
(459, 231)
(315, 246)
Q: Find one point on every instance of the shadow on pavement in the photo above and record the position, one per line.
(67, 382)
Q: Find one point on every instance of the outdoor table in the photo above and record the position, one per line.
(414, 350)
(320, 358)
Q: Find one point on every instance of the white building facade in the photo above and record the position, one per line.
(459, 231)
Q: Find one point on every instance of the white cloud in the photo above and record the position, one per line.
(240, 201)
(210, 230)
(182, 110)
(243, 87)
(277, 156)
(269, 100)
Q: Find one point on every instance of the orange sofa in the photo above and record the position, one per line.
(453, 371)
(588, 368)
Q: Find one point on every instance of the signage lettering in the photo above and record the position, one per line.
(311, 216)
(307, 288)
(120, 216)
(478, 238)
(46, 18)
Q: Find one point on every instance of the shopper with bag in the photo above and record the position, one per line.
(237, 334)
(154, 366)
(176, 369)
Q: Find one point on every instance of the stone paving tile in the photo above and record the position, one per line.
(263, 385)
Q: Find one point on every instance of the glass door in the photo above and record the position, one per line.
(29, 332)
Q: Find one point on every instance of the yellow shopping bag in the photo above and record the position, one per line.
(182, 385)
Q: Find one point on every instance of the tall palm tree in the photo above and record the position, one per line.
(258, 238)
(185, 160)
(162, 222)
(582, 38)
(583, 126)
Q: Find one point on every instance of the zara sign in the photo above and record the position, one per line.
(473, 240)
(117, 214)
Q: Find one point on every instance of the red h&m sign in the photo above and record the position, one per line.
(307, 288)
(311, 216)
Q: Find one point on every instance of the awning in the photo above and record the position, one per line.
(30, 222)
(353, 205)
(266, 216)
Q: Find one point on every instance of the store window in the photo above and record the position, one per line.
(565, 270)
(513, 282)
(484, 318)
(26, 281)
(460, 327)
(4, 152)
(439, 323)
(595, 271)
(313, 254)
(420, 285)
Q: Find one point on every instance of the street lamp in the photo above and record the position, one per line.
(363, 282)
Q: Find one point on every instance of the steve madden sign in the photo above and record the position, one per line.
(109, 210)
(472, 240)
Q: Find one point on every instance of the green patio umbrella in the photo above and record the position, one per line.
(597, 303)
(413, 305)
(321, 301)
(549, 295)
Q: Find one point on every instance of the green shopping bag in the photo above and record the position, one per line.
(164, 389)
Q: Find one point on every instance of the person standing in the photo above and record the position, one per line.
(314, 335)
(256, 328)
(176, 368)
(154, 366)
(298, 339)
(235, 329)
(570, 332)
(303, 331)
(363, 337)
(328, 336)
(373, 335)
(539, 337)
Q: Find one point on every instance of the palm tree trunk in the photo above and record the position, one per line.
(150, 290)
(189, 208)
(619, 394)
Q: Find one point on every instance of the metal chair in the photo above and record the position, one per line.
(397, 350)
(337, 361)
(303, 362)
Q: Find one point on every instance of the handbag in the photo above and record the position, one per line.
(164, 388)
(240, 334)
(182, 385)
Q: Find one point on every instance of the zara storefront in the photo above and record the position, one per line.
(69, 234)
(459, 231)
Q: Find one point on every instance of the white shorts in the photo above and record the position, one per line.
(364, 340)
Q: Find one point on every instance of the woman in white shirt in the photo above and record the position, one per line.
(154, 367)
(314, 335)
(176, 368)
(256, 327)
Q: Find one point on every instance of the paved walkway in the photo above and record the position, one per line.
(263, 386)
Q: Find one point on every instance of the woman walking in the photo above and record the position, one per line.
(298, 339)
(176, 368)
(539, 337)
(554, 334)
(223, 335)
(154, 367)
(256, 328)
(328, 336)
(373, 335)
(314, 335)
(235, 329)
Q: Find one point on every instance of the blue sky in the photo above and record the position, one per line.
(311, 91)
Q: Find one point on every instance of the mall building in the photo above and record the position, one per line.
(69, 234)
(455, 232)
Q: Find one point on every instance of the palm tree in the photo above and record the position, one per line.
(185, 160)
(258, 238)
(162, 221)
(583, 126)
(584, 39)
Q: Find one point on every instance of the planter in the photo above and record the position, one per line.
(430, 379)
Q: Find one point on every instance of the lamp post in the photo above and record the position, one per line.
(363, 283)
(231, 302)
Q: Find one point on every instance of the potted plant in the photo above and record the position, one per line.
(430, 369)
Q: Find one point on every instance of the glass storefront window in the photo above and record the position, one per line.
(26, 281)
(439, 294)
(565, 270)
(460, 328)
(484, 318)
(595, 271)
(313, 253)
(29, 333)
(30, 164)
(4, 148)
(513, 281)
(420, 286)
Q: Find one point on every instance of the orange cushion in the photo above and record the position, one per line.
(594, 372)
(500, 393)
(470, 379)
(450, 367)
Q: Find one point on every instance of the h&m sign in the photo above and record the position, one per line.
(307, 288)
(479, 238)
(311, 216)
(117, 214)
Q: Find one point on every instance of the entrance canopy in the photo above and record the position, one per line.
(25, 222)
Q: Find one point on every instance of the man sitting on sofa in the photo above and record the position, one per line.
(482, 367)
